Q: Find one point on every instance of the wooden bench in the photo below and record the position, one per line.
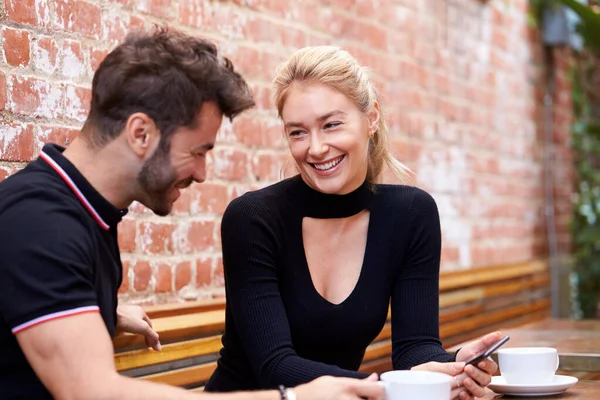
(472, 303)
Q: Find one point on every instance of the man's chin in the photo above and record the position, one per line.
(162, 211)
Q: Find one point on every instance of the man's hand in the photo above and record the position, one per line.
(133, 319)
(330, 388)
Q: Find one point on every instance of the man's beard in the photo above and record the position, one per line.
(156, 180)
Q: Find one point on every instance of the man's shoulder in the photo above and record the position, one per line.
(34, 199)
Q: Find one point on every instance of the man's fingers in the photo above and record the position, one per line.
(147, 319)
(368, 389)
(372, 378)
(151, 337)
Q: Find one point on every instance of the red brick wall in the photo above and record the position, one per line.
(461, 81)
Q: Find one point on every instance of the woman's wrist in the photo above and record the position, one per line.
(287, 393)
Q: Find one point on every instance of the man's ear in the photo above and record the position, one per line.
(142, 135)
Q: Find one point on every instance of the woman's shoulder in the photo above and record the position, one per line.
(403, 195)
(271, 199)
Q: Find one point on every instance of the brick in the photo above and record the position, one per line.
(142, 275)
(2, 91)
(16, 142)
(159, 8)
(35, 97)
(183, 274)
(229, 20)
(45, 52)
(204, 271)
(115, 25)
(96, 57)
(273, 134)
(197, 14)
(267, 167)
(78, 16)
(124, 288)
(3, 173)
(201, 235)
(72, 61)
(163, 278)
(29, 12)
(294, 38)
(127, 233)
(208, 198)
(218, 275)
(248, 130)
(183, 203)
(246, 60)
(230, 164)
(77, 102)
(60, 135)
(156, 238)
(16, 47)
(262, 97)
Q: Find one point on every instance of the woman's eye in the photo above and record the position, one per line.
(295, 133)
(331, 125)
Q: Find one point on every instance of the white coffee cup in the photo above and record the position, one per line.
(528, 365)
(421, 385)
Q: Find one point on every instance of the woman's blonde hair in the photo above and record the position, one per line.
(337, 69)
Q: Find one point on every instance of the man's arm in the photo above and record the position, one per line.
(73, 357)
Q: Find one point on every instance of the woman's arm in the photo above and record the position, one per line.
(250, 243)
(415, 296)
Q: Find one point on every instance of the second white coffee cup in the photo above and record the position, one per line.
(528, 365)
(421, 385)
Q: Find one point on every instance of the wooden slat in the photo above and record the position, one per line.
(180, 326)
(380, 365)
(191, 307)
(469, 324)
(501, 325)
(472, 277)
(377, 350)
(447, 316)
(170, 352)
(184, 376)
(385, 333)
(460, 296)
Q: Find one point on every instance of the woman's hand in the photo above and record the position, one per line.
(480, 375)
(454, 369)
(330, 388)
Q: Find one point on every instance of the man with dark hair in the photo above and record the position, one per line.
(157, 103)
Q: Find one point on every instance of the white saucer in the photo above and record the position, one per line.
(559, 384)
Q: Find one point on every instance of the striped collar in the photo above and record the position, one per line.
(105, 214)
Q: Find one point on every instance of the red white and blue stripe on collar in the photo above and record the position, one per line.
(75, 189)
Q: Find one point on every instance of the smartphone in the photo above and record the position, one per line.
(488, 352)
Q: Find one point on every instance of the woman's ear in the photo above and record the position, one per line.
(373, 116)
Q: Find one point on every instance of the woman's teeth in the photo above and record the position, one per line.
(328, 165)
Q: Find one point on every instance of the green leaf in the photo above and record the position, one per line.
(589, 27)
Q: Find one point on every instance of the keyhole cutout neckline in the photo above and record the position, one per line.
(314, 204)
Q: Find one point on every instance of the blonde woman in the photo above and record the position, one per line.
(312, 263)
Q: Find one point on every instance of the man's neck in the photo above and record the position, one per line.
(102, 170)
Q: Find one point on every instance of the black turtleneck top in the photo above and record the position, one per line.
(280, 331)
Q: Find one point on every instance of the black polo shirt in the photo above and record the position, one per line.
(59, 257)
